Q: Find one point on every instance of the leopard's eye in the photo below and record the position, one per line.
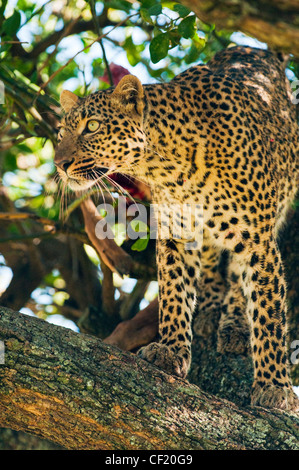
(93, 125)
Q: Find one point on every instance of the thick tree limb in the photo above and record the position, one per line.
(83, 394)
(274, 22)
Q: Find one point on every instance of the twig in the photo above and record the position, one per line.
(99, 33)
(33, 111)
(54, 232)
(74, 205)
(65, 32)
(56, 229)
(79, 199)
(111, 254)
(36, 12)
(13, 142)
(26, 215)
(13, 42)
(30, 236)
(52, 38)
(77, 202)
(82, 50)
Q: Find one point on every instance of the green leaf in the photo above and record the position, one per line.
(159, 47)
(139, 226)
(187, 27)
(145, 16)
(168, 4)
(181, 10)
(155, 10)
(2, 9)
(122, 5)
(140, 244)
(194, 52)
(12, 24)
(10, 162)
(148, 3)
(198, 42)
(133, 51)
(174, 37)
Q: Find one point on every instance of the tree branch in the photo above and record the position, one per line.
(274, 22)
(113, 255)
(70, 27)
(62, 386)
(138, 331)
(120, 23)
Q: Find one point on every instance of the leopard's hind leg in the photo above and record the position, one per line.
(233, 330)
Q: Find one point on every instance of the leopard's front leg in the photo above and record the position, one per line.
(178, 275)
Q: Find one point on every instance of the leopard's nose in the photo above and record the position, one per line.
(64, 164)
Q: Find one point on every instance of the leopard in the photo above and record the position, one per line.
(221, 136)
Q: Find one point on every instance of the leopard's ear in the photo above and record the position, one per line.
(68, 100)
(129, 94)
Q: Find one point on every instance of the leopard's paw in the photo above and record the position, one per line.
(163, 357)
(273, 396)
(234, 340)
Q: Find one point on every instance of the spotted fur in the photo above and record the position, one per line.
(223, 135)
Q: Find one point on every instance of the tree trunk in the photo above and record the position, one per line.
(81, 393)
(275, 22)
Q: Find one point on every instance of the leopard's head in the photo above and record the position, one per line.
(100, 134)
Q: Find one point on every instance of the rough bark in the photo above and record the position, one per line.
(275, 22)
(79, 392)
